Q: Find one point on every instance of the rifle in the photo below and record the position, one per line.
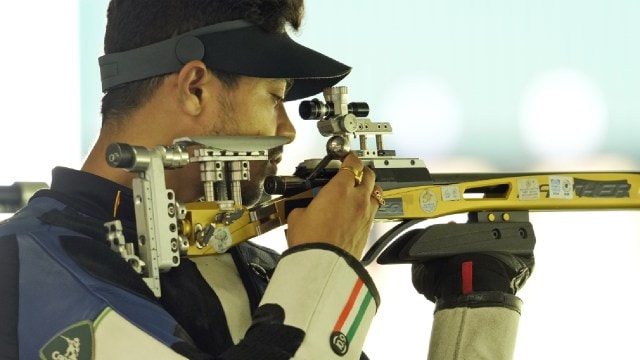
(15, 196)
(497, 204)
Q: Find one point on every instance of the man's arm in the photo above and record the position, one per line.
(319, 305)
(477, 310)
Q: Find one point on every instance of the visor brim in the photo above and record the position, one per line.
(237, 47)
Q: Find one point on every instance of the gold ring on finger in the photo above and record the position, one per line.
(377, 195)
(357, 174)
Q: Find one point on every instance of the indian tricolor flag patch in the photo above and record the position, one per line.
(349, 321)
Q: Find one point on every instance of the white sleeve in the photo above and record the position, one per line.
(470, 332)
(326, 293)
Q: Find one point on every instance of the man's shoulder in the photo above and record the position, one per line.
(29, 217)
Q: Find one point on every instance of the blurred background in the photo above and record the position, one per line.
(494, 85)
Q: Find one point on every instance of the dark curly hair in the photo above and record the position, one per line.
(135, 23)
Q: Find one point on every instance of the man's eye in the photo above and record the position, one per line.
(277, 99)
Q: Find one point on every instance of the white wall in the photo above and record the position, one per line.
(39, 93)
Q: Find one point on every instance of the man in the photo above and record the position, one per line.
(194, 68)
(69, 285)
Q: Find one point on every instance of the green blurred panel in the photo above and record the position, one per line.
(485, 52)
(488, 52)
(92, 23)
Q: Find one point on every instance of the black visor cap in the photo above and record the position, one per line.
(237, 47)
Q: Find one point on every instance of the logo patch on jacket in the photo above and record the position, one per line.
(349, 321)
(74, 343)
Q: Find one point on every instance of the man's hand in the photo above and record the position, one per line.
(342, 212)
(466, 273)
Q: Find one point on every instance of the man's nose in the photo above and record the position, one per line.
(285, 126)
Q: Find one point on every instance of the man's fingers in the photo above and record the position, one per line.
(353, 170)
(357, 174)
(378, 196)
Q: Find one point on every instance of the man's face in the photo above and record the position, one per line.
(252, 107)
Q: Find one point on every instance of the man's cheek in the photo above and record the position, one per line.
(259, 170)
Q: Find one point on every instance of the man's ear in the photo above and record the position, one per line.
(191, 81)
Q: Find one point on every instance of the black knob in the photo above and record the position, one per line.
(120, 155)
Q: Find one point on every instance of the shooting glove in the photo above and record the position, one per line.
(473, 279)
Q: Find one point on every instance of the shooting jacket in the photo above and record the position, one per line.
(67, 295)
